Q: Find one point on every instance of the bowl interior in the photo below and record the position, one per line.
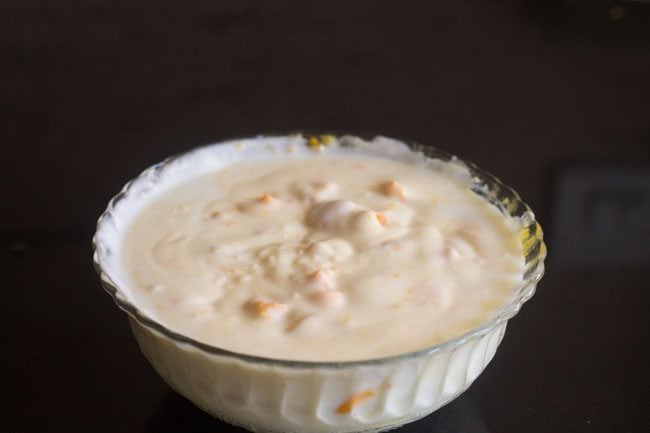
(136, 194)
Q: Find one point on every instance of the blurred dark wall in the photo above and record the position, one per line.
(94, 91)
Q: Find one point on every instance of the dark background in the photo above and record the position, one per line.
(552, 96)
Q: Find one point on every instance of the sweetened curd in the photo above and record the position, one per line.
(320, 253)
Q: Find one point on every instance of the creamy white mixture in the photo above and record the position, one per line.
(322, 258)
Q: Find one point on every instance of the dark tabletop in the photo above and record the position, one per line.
(552, 96)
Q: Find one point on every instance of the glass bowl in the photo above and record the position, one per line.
(275, 395)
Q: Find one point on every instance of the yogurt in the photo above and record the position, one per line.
(320, 253)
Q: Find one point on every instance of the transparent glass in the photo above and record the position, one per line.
(265, 394)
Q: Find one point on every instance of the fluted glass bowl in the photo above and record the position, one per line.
(273, 395)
